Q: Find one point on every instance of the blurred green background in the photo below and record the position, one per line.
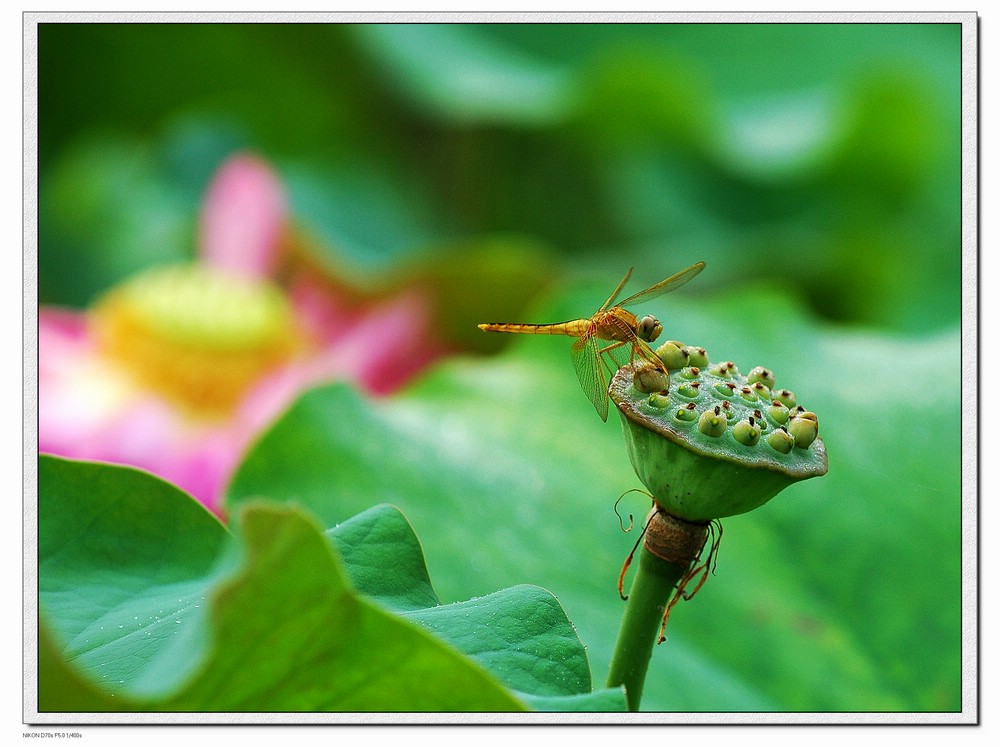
(824, 156)
(814, 167)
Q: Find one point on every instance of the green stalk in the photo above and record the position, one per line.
(669, 548)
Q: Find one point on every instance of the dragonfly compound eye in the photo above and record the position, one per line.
(649, 328)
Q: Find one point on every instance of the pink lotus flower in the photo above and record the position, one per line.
(178, 369)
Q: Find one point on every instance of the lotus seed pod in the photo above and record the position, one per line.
(651, 379)
(697, 356)
(673, 354)
(718, 454)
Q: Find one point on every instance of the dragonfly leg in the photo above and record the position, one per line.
(646, 353)
(607, 350)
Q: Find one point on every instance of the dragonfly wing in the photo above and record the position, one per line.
(664, 286)
(614, 294)
(586, 354)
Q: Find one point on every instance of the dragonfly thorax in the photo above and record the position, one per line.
(648, 328)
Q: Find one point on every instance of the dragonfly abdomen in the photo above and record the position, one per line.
(575, 328)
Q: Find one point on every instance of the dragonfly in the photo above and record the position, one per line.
(611, 324)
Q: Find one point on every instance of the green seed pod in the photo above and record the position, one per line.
(759, 374)
(721, 467)
(781, 440)
(691, 373)
(673, 354)
(651, 379)
(747, 432)
(712, 422)
(697, 356)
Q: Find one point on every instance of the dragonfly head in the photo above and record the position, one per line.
(648, 328)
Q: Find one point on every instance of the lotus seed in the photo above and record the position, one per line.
(697, 356)
(673, 354)
(785, 397)
(778, 412)
(688, 389)
(804, 429)
(687, 414)
(651, 379)
(712, 423)
(781, 440)
(761, 375)
(659, 400)
(747, 432)
(723, 389)
(722, 369)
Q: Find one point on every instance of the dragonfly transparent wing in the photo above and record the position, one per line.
(614, 294)
(586, 353)
(664, 286)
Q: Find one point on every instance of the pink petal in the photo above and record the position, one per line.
(88, 408)
(381, 348)
(384, 348)
(243, 217)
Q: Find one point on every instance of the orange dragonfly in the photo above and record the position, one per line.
(611, 324)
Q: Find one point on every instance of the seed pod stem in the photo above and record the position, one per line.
(670, 549)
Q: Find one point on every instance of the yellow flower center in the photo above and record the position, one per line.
(197, 334)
